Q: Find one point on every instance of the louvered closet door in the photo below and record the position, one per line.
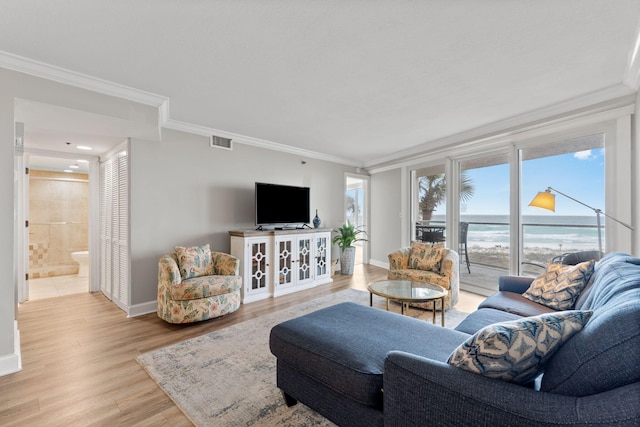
(123, 229)
(106, 202)
(114, 229)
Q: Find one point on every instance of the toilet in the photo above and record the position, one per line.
(82, 258)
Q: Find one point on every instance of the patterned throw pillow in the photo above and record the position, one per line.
(560, 285)
(194, 261)
(517, 350)
(426, 256)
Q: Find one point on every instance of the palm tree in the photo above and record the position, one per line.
(433, 190)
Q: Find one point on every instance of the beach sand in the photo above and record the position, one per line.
(498, 256)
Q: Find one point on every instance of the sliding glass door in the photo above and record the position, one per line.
(429, 204)
(492, 226)
(483, 232)
(576, 168)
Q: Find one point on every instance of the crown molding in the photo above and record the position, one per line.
(605, 99)
(251, 141)
(83, 81)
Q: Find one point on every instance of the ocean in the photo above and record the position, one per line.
(557, 232)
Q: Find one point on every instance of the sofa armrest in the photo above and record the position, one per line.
(225, 264)
(516, 284)
(420, 391)
(399, 260)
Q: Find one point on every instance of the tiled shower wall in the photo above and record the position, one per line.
(58, 221)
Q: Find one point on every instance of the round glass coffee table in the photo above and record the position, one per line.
(407, 292)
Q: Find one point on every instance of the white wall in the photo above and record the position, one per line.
(9, 360)
(385, 233)
(184, 192)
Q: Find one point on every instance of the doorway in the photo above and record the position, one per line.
(356, 208)
(57, 200)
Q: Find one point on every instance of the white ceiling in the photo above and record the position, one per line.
(362, 81)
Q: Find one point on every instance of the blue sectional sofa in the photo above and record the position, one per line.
(362, 366)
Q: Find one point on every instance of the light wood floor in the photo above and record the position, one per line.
(78, 356)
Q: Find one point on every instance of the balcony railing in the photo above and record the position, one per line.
(539, 242)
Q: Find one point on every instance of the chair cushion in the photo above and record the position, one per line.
(560, 285)
(420, 276)
(426, 256)
(516, 350)
(204, 287)
(194, 261)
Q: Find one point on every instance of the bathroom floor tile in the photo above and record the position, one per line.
(56, 286)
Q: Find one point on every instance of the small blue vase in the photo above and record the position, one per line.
(316, 220)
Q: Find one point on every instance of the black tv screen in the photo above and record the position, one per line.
(282, 204)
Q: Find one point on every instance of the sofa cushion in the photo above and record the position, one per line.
(560, 285)
(517, 350)
(204, 287)
(194, 261)
(426, 256)
(344, 346)
(515, 303)
(605, 355)
(484, 317)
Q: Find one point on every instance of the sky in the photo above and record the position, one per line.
(579, 175)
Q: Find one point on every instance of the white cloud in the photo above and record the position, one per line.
(583, 155)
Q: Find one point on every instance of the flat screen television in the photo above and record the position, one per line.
(282, 205)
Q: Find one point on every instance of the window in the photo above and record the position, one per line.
(429, 204)
(484, 209)
(576, 168)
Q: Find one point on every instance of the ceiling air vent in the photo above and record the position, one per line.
(220, 142)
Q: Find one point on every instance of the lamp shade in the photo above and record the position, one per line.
(544, 200)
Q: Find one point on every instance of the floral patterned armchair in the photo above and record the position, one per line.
(423, 262)
(196, 284)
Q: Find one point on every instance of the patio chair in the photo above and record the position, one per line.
(573, 258)
(462, 250)
(569, 258)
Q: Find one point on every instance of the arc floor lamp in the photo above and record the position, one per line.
(547, 200)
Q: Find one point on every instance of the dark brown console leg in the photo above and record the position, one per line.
(290, 401)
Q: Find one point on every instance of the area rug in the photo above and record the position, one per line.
(228, 377)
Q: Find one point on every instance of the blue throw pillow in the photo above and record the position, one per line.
(516, 350)
(560, 285)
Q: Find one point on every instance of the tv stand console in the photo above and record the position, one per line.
(278, 262)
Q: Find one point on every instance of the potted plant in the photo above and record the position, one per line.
(345, 237)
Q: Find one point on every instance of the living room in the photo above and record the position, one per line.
(183, 191)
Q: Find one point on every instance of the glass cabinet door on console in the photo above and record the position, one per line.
(321, 254)
(294, 261)
(305, 269)
(258, 270)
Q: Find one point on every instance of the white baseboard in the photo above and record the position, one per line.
(379, 263)
(144, 308)
(12, 362)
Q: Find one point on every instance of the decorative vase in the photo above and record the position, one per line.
(347, 260)
(316, 220)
